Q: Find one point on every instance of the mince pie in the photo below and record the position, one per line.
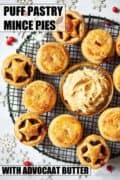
(18, 70)
(118, 45)
(39, 96)
(97, 46)
(116, 78)
(52, 58)
(93, 151)
(109, 124)
(65, 131)
(75, 29)
(30, 129)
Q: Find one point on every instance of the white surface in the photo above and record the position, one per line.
(6, 125)
(85, 7)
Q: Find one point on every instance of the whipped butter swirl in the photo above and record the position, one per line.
(86, 90)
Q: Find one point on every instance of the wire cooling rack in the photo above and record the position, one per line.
(30, 47)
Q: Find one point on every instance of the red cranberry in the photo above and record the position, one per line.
(9, 42)
(115, 9)
(109, 168)
(108, 23)
(27, 163)
(11, 38)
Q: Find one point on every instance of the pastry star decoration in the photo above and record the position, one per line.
(30, 130)
(94, 152)
(71, 28)
(17, 70)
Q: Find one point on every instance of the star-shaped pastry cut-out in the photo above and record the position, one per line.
(71, 28)
(17, 69)
(94, 152)
(30, 130)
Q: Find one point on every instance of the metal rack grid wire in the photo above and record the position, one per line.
(29, 47)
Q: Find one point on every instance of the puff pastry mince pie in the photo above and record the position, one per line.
(65, 131)
(93, 151)
(52, 58)
(118, 45)
(18, 70)
(39, 96)
(109, 124)
(30, 129)
(97, 46)
(116, 78)
(75, 29)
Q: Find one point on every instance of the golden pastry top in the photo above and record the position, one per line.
(65, 130)
(86, 90)
(118, 45)
(109, 124)
(30, 129)
(39, 96)
(52, 58)
(116, 78)
(93, 151)
(97, 45)
(18, 70)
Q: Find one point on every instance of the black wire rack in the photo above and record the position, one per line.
(29, 47)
